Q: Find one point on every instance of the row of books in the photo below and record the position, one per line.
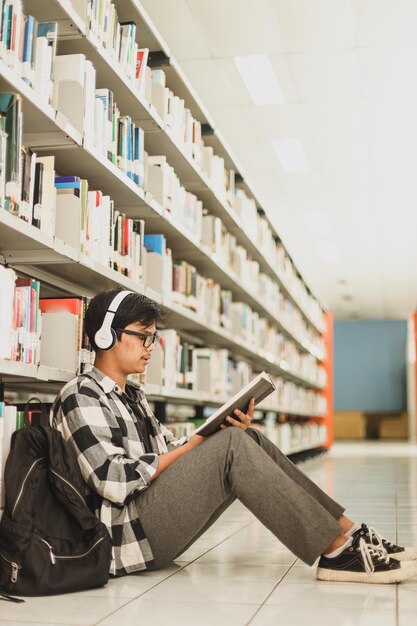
(182, 284)
(118, 39)
(41, 331)
(165, 187)
(177, 363)
(64, 206)
(120, 243)
(28, 47)
(20, 318)
(291, 398)
(117, 137)
(224, 245)
(294, 435)
(88, 221)
(289, 437)
(95, 115)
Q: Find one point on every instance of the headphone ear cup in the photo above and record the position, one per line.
(105, 340)
(113, 339)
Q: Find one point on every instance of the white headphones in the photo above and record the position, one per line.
(105, 337)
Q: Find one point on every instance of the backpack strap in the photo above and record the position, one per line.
(41, 409)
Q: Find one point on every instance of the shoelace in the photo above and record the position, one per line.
(375, 534)
(369, 552)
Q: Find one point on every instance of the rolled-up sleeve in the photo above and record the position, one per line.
(85, 422)
(171, 441)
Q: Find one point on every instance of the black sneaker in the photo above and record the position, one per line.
(394, 552)
(364, 563)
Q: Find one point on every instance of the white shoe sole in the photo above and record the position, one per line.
(406, 571)
(409, 554)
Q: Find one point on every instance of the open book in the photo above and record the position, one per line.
(259, 388)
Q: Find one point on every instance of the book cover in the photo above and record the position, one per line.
(259, 388)
(155, 243)
(28, 54)
(37, 195)
(11, 123)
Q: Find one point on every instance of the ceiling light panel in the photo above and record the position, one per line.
(260, 79)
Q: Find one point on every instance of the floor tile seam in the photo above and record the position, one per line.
(7, 623)
(130, 600)
(269, 595)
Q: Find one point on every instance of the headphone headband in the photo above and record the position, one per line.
(105, 337)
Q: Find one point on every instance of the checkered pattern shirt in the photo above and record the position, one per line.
(93, 415)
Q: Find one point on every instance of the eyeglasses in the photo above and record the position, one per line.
(148, 340)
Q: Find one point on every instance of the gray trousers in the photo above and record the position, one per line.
(190, 495)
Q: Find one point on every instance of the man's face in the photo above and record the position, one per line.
(130, 352)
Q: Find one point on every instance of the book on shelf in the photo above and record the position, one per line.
(7, 287)
(140, 70)
(68, 205)
(26, 201)
(48, 209)
(11, 123)
(64, 344)
(128, 49)
(37, 196)
(105, 123)
(158, 264)
(45, 55)
(259, 388)
(160, 93)
(3, 157)
(69, 93)
(27, 321)
(20, 322)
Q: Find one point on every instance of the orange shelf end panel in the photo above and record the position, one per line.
(328, 391)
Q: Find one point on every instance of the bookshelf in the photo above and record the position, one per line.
(62, 269)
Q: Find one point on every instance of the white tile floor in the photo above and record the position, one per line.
(238, 574)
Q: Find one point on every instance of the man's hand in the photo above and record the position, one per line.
(244, 420)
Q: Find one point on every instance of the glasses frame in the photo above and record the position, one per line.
(144, 336)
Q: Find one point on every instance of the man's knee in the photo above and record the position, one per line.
(227, 436)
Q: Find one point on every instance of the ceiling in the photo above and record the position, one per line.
(348, 72)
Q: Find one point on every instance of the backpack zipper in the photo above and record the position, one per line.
(15, 569)
(24, 481)
(69, 484)
(54, 556)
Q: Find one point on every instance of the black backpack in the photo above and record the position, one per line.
(50, 541)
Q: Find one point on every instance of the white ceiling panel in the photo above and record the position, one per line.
(237, 27)
(203, 73)
(390, 72)
(276, 122)
(326, 75)
(384, 22)
(308, 25)
(186, 34)
(335, 118)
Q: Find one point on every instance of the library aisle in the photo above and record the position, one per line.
(238, 573)
(250, 168)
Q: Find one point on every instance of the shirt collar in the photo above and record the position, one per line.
(108, 384)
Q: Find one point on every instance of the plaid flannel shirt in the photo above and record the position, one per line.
(93, 415)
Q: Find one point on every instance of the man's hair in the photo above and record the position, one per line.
(134, 308)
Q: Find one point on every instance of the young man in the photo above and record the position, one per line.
(157, 495)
